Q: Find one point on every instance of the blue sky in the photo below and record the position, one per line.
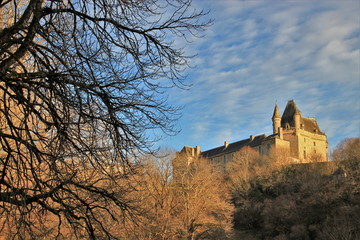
(258, 53)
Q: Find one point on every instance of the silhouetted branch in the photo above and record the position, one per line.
(81, 85)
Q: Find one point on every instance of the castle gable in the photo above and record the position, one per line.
(188, 150)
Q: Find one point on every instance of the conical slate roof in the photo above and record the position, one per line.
(276, 112)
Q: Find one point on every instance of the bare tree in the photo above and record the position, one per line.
(279, 157)
(183, 201)
(159, 200)
(205, 208)
(81, 85)
(347, 149)
(243, 167)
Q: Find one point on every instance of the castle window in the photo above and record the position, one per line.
(304, 154)
(314, 144)
(268, 147)
(304, 139)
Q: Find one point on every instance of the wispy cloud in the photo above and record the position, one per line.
(260, 52)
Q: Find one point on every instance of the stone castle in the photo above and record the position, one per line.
(300, 137)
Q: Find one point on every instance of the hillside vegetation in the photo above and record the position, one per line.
(303, 201)
(253, 197)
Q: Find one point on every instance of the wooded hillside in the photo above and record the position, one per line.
(303, 201)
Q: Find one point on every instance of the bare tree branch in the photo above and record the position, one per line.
(82, 83)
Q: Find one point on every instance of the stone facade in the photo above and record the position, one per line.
(292, 133)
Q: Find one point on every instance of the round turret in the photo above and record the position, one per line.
(276, 119)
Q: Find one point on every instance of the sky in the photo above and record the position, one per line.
(259, 53)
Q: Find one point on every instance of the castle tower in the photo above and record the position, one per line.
(276, 119)
(291, 117)
(297, 116)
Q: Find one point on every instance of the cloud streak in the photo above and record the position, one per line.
(260, 52)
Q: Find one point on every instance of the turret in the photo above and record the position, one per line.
(276, 119)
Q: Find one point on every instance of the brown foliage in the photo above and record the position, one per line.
(301, 201)
(192, 205)
(348, 149)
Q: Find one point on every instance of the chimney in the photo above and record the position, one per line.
(226, 144)
(280, 133)
(252, 137)
(197, 150)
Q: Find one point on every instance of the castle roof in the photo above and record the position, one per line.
(276, 112)
(288, 117)
(233, 147)
(310, 125)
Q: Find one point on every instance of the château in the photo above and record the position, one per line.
(299, 136)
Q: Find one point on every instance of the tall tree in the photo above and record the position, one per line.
(205, 207)
(181, 200)
(81, 84)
